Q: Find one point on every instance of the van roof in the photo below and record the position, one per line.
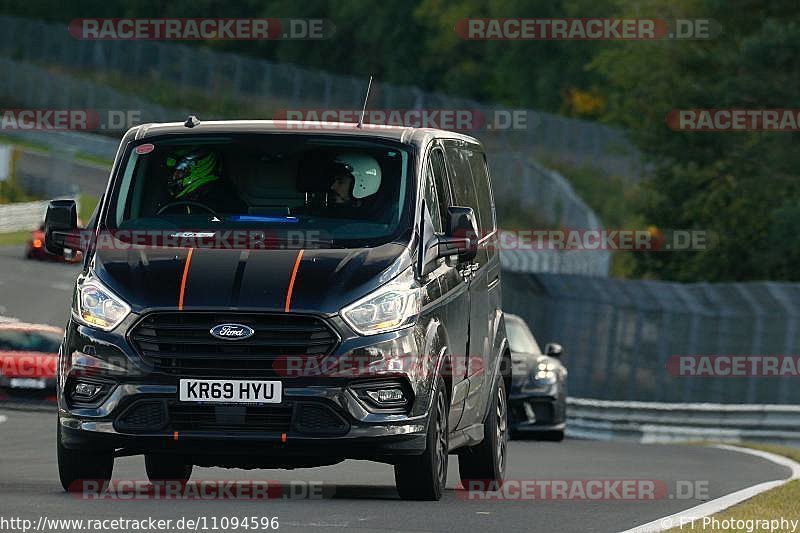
(417, 136)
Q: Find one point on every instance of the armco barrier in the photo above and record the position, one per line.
(21, 216)
(655, 422)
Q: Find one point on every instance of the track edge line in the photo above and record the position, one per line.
(723, 502)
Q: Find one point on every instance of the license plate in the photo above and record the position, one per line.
(27, 383)
(230, 391)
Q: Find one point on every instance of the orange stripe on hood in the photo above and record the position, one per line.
(291, 281)
(183, 279)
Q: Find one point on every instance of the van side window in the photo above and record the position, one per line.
(464, 193)
(483, 189)
(435, 192)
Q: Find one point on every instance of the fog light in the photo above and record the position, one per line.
(384, 396)
(388, 396)
(86, 391)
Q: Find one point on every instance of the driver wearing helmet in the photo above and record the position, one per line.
(197, 178)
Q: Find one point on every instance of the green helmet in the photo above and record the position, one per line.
(192, 170)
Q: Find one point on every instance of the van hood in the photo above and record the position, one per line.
(312, 280)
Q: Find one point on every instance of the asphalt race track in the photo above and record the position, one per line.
(355, 495)
(35, 291)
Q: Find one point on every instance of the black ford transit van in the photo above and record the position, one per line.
(259, 294)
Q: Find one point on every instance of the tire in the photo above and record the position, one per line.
(423, 477)
(75, 465)
(160, 468)
(485, 463)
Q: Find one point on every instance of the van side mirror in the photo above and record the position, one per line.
(461, 236)
(553, 350)
(60, 223)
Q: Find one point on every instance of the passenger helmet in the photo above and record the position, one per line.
(366, 173)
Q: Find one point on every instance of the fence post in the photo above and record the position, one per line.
(792, 313)
(758, 334)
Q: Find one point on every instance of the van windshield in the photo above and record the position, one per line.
(328, 191)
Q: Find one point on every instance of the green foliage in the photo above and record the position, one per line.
(11, 191)
(740, 186)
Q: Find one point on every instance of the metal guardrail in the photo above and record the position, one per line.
(22, 216)
(656, 422)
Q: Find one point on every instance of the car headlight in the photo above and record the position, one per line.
(99, 307)
(545, 373)
(391, 307)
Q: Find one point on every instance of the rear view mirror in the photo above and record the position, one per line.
(553, 350)
(60, 223)
(461, 238)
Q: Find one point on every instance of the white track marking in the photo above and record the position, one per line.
(724, 502)
(3, 418)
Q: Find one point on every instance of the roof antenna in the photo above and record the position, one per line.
(192, 121)
(364, 109)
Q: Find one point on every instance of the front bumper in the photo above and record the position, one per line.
(535, 412)
(341, 425)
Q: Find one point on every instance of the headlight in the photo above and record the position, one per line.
(545, 373)
(545, 377)
(391, 307)
(99, 307)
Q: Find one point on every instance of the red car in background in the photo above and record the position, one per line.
(28, 358)
(35, 249)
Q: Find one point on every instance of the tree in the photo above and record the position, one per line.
(740, 186)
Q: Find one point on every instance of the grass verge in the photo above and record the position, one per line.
(14, 238)
(781, 502)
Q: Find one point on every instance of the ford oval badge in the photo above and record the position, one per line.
(232, 332)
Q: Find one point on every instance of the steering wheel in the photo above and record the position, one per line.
(188, 204)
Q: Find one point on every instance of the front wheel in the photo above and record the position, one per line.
(75, 467)
(423, 477)
(485, 463)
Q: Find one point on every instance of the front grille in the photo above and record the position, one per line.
(257, 418)
(545, 412)
(181, 343)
